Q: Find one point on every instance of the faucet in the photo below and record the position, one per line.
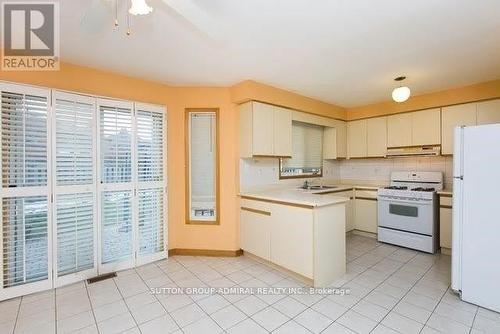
(306, 184)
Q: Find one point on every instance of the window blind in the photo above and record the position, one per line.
(25, 240)
(74, 142)
(149, 146)
(24, 140)
(75, 232)
(151, 221)
(116, 144)
(116, 226)
(307, 147)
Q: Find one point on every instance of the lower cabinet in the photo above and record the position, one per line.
(292, 238)
(445, 221)
(349, 209)
(365, 211)
(255, 224)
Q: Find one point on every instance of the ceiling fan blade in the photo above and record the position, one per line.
(196, 16)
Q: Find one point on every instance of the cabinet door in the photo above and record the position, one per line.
(356, 139)
(349, 210)
(329, 143)
(445, 227)
(376, 136)
(292, 238)
(453, 116)
(488, 112)
(399, 130)
(365, 215)
(282, 135)
(263, 129)
(255, 229)
(341, 128)
(426, 127)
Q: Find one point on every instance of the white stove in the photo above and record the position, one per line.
(408, 210)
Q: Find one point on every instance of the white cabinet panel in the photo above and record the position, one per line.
(263, 129)
(356, 139)
(292, 238)
(426, 127)
(462, 114)
(488, 112)
(365, 215)
(282, 133)
(256, 232)
(399, 129)
(376, 136)
(341, 128)
(330, 143)
(349, 209)
(445, 227)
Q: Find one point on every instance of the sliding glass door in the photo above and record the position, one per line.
(74, 177)
(26, 258)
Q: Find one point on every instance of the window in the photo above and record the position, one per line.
(202, 160)
(307, 152)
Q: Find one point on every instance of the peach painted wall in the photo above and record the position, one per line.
(477, 92)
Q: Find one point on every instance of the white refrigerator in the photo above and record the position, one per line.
(476, 215)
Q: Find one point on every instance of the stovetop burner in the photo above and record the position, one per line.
(423, 189)
(397, 187)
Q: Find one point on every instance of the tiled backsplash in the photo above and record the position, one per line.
(264, 172)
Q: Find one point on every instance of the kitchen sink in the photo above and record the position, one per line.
(318, 187)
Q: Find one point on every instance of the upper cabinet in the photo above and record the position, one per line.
(414, 128)
(488, 112)
(453, 116)
(426, 127)
(399, 130)
(265, 130)
(330, 143)
(356, 139)
(376, 136)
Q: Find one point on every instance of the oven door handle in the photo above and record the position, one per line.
(393, 200)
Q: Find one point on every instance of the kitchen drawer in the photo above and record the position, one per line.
(362, 193)
(255, 205)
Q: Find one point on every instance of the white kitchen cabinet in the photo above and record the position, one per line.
(365, 210)
(292, 238)
(329, 143)
(255, 225)
(376, 136)
(356, 139)
(426, 127)
(265, 130)
(399, 129)
(488, 112)
(349, 209)
(453, 116)
(445, 221)
(341, 129)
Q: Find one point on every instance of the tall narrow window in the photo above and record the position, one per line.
(25, 215)
(202, 162)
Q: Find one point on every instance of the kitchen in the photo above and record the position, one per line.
(185, 166)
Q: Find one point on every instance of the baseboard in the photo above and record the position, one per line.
(364, 233)
(445, 251)
(205, 252)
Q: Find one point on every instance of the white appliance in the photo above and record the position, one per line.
(476, 224)
(408, 210)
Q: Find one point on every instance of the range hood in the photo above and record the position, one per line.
(425, 151)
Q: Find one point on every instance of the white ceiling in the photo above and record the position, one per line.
(345, 52)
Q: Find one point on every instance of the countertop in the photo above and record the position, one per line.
(312, 198)
(445, 192)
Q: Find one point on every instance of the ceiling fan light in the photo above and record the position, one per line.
(140, 7)
(401, 94)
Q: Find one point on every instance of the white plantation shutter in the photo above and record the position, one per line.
(307, 146)
(151, 183)
(116, 226)
(25, 226)
(75, 187)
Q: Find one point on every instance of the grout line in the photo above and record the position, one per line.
(17, 315)
(91, 306)
(474, 320)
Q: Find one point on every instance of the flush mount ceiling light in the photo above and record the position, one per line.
(140, 7)
(402, 93)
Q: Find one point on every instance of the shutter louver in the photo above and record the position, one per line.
(25, 240)
(75, 234)
(116, 144)
(149, 146)
(116, 226)
(151, 227)
(74, 142)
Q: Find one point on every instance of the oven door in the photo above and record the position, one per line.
(406, 215)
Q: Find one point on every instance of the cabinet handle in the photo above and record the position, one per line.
(260, 212)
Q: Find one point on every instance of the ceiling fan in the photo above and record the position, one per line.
(101, 12)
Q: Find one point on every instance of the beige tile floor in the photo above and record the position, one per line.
(393, 290)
